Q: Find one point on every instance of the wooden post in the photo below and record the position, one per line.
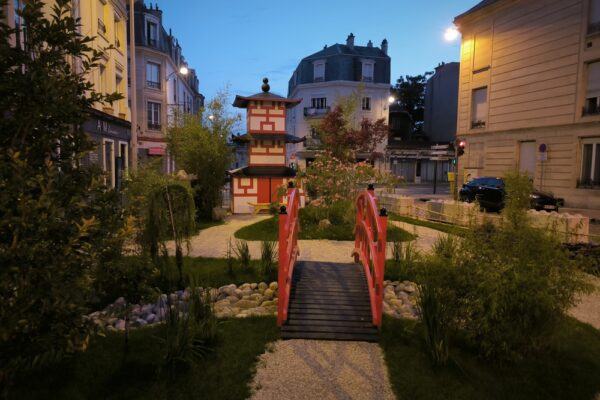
(283, 263)
(381, 247)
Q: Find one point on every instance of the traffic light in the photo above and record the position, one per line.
(460, 148)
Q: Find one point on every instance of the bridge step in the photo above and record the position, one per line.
(329, 301)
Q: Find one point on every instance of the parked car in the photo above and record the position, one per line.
(490, 193)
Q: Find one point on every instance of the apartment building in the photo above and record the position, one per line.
(529, 94)
(109, 125)
(340, 70)
(166, 86)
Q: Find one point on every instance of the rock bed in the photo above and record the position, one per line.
(249, 299)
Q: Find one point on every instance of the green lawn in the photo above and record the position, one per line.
(103, 373)
(448, 228)
(569, 369)
(268, 230)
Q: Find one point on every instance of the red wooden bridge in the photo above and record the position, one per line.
(325, 300)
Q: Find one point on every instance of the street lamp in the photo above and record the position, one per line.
(391, 99)
(182, 71)
(451, 34)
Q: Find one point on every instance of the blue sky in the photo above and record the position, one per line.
(238, 42)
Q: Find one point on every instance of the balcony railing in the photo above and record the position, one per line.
(312, 143)
(315, 112)
(155, 127)
(592, 109)
(153, 84)
(477, 124)
(588, 184)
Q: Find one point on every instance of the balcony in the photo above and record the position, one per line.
(587, 184)
(477, 124)
(591, 108)
(312, 143)
(154, 127)
(315, 112)
(153, 84)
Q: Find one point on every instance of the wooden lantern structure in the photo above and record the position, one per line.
(255, 186)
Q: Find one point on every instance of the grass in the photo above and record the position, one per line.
(102, 372)
(309, 230)
(569, 369)
(447, 228)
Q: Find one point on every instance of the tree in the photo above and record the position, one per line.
(410, 94)
(343, 140)
(199, 145)
(51, 233)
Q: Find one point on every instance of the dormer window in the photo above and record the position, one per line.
(319, 71)
(367, 70)
(152, 33)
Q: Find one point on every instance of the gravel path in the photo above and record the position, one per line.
(322, 370)
(588, 309)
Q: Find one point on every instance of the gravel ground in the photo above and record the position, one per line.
(323, 370)
(588, 309)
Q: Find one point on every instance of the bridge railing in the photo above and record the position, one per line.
(369, 247)
(288, 250)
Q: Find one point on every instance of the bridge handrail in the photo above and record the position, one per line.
(288, 250)
(370, 244)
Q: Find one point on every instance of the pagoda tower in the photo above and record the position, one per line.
(255, 186)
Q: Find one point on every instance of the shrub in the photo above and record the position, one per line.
(129, 277)
(432, 310)
(507, 284)
(242, 252)
(268, 259)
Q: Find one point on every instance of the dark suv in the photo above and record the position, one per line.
(489, 192)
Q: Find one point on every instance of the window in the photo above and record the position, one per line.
(482, 57)
(120, 89)
(479, 108)
(153, 115)
(592, 97)
(319, 102)
(108, 162)
(19, 25)
(153, 75)
(319, 71)
(152, 33)
(594, 22)
(590, 165)
(175, 90)
(366, 103)
(102, 79)
(100, 6)
(118, 32)
(367, 71)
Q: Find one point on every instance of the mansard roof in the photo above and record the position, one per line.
(477, 7)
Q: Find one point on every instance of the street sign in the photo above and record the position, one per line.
(440, 153)
(440, 146)
(439, 158)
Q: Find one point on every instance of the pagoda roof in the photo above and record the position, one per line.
(265, 95)
(277, 171)
(268, 136)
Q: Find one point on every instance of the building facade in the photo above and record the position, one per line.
(529, 94)
(166, 87)
(109, 125)
(410, 152)
(341, 70)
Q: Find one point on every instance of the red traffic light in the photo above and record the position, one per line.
(460, 147)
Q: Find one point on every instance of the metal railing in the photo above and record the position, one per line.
(288, 250)
(369, 247)
(316, 112)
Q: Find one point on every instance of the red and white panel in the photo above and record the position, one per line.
(266, 117)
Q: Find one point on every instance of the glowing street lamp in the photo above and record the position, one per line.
(391, 99)
(183, 70)
(451, 34)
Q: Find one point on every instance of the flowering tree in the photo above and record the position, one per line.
(334, 180)
(343, 140)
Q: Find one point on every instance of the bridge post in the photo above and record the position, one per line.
(283, 263)
(381, 248)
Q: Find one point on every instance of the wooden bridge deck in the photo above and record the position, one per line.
(329, 301)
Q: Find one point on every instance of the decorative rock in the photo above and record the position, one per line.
(244, 286)
(262, 286)
(324, 224)
(269, 303)
(256, 297)
(120, 325)
(150, 318)
(120, 302)
(232, 299)
(273, 286)
(238, 293)
(253, 286)
(268, 294)
(410, 288)
(246, 304)
(247, 291)
(230, 290)
(147, 308)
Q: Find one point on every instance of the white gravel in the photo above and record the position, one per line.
(322, 370)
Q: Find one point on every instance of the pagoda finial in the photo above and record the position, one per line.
(265, 86)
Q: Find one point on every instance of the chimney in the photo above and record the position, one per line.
(370, 44)
(384, 46)
(350, 40)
